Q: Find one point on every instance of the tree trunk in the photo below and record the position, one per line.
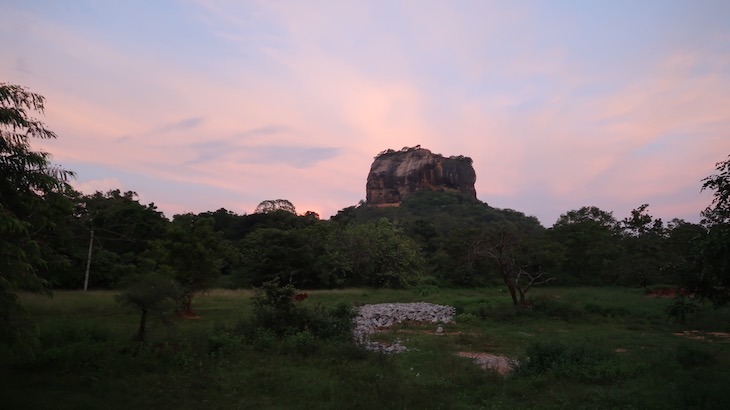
(187, 304)
(142, 331)
(522, 296)
(511, 288)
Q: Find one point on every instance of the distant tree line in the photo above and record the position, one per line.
(440, 238)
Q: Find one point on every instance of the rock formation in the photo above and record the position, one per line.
(396, 174)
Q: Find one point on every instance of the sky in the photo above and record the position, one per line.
(198, 105)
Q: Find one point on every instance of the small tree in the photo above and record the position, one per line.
(511, 253)
(151, 294)
(195, 252)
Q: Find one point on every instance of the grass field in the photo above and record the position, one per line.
(577, 348)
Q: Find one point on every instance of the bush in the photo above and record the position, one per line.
(303, 343)
(556, 308)
(584, 362)
(264, 339)
(690, 356)
(426, 290)
(465, 318)
(680, 308)
(280, 316)
(607, 311)
(70, 345)
(223, 343)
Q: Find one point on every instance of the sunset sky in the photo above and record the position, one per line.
(203, 104)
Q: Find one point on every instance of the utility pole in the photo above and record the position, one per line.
(88, 261)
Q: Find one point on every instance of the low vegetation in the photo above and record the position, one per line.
(576, 347)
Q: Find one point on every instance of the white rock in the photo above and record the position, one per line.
(372, 317)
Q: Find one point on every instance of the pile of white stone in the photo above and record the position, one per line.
(371, 318)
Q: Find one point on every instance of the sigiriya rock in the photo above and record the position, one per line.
(396, 174)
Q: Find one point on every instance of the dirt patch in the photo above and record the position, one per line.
(720, 337)
(503, 365)
(667, 293)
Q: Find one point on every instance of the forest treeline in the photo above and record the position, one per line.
(437, 238)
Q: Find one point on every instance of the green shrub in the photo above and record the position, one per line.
(465, 318)
(583, 361)
(556, 308)
(330, 323)
(426, 290)
(264, 339)
(303, 343)
(282, 322)
(698, 391)
(607, 311)
(680, 308)
(691, 355)
(223, 343)
(64, 332)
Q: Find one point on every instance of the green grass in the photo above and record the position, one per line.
(587, 348)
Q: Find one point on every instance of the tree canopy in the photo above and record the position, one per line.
(32, 193)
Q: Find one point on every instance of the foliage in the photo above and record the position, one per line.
(644, 240)
(710, 276)
(719, 210)
(269, 253)
(275, 205)
(711, 280)
(16, 327)
(277, 309)
(581, 361)
(125, 232)
(375, 254)
(592, 245)
(29, 183)
(32, 194)
(151, 294)
(681, 307)
(195, 252)
(504, 245)
(84, 359)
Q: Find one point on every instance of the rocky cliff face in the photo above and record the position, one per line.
(396, 174)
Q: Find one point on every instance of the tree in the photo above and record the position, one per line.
(275, 205)
(719, 210)
(712, 280)
(592, 244)
(123, 231)
(680, 249)
(520, 256)
(269, 253)
(591, 214)
(151, 294)
(375, 253)
(29, 186)
(195, 252)
(640, 223)
(644, 241)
